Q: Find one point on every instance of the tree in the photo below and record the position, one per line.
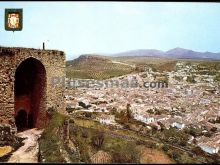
(162, 126)
(122, 117)
(194, 131)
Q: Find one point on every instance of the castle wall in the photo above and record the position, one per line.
(54, 64)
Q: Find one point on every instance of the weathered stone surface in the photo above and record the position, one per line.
(6, 135)
(54, 64)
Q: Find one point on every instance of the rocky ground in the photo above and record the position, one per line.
(28, 153)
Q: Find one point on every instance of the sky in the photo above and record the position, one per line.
(113, 27)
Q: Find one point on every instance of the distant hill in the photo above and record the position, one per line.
(87, 61)
(141, 52)
(96, 67)
(176, 53)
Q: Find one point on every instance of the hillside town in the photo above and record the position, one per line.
(186, 97)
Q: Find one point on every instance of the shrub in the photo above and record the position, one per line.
(126, 153)
(69, 110)
(197, 150)
(85, 134)
(165, 147)
(50, 141)
(88, 115)
(98, 139)
(190, 79)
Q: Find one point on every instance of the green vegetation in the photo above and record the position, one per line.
(157, 65)
(50, 141)
(211, 65)
(95, 67)
(168, 66)
(208, 68)
(173, 136)
(179, 138)
(72, 73)
(95, 125)
(115, 140)
(183, 157)
(171, 141)
(194, 131)
(98, 75)
(98, 139)
(178, 78)
(82, 142)
(191, 79)
(122, 151)
(162, 79)
(124, 117)
(217, 77)
(100, 67)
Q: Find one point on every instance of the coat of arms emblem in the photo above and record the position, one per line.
(13, 19)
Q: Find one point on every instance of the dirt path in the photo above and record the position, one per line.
(122, 63)
(153, 156)
(28, 153)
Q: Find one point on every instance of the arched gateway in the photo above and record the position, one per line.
(30, 92)
(26, 87)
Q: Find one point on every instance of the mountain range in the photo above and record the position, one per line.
(178, 53)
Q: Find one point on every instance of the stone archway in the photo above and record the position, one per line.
(29, 92)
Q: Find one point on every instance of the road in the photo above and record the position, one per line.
(122, 63)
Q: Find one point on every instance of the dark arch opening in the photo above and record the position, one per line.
(30, 85)
(21, 120)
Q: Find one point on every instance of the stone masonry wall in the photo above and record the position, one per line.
(10, 59)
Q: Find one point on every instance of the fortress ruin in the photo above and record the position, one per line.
(26, 89)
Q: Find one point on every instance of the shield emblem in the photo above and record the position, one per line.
(13, 19)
